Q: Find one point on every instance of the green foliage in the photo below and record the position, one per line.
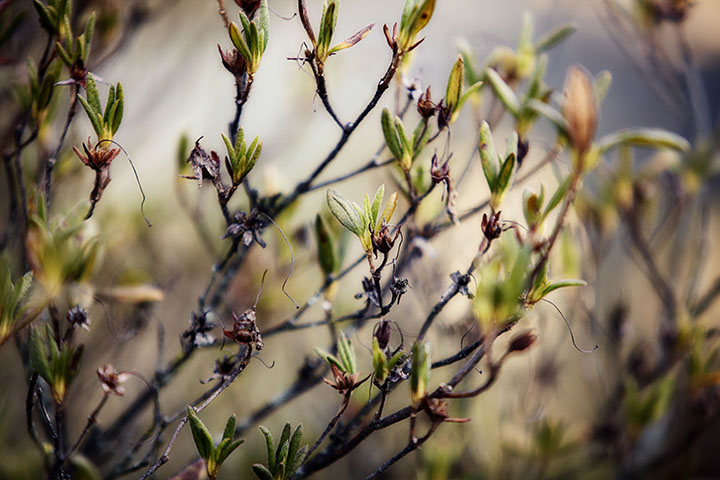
(105, 121)
(416, 15)
(214, 455)
(363, 222)
(286, 459)
(345, 361)
(420, 371)
(58, 366)
(383, 363)
(251, 42)
(498, 170)
(241, 158)
(501, 283)
(11, 294)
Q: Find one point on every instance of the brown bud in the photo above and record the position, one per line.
(522, 341)
(233, 61)
(491, 226)
(580, 108)
(248, 6)
(382, 333)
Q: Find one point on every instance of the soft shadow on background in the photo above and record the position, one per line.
(175, 85)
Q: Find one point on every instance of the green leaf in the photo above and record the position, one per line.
(550, 113)
(601, 85)
(488, 156)
(406, 147)
(225, 449)
(281, 456)
(562, 284)
(388, 211)
(503, 92)
(270, 447)
(327, 252)
(283, 446)
(503, 181)
(239, 42)
(643, 137)
(293, 465)
(63, 54)
(89, 33)
(96, 124)
(109, 104)
(390, 134)
(346, 353)
(553, 38)
(232, 155)
(420, 372)
(46, 16)
(475, 87)
(38, 356)
(327, 28)
(263, 24)
(379, 365)
(557, 197)
(345, 212)
(455, 84)
(293, 450)
(229, 431)
(377, 200)
(120, 100)
(262, 472)
(201, 436)
(93, 97)
(329, 359)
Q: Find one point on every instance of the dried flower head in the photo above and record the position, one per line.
(425, 106)
(491, 226)
(245, 330)
(223, 368)
(78, 317)
(343, 382)
(437, 411)
(111, 380)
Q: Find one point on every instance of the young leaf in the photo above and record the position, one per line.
(93, 97)
(293, 451)
(270, 447)
(503, 92)
(229, 431)
(352, 40)
(555, 37)
(262, 472)
(390, 134)
(488, 156)
(203, 440)
(643, 137)
(454, 85)
(345, 212)
(377, 200)
(225, 448)
(562, 284)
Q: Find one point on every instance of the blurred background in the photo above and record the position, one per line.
(548, 412)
